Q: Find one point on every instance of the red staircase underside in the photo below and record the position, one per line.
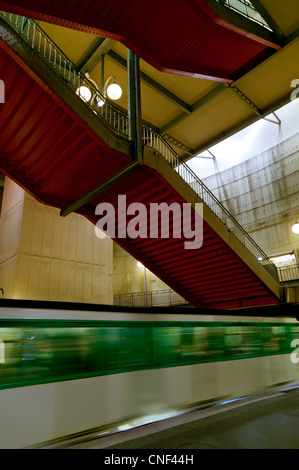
(50, 151)
(184, 37)
(211, 277)
(44, 145)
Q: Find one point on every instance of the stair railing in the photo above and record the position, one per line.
(157, 143)
(46, 49)
(117, 121)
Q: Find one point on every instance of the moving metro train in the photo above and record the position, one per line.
(69, 369)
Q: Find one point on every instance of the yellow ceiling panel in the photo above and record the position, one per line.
(72, 42)
(160, 111)
(223, 113)
(120, 49)
(189, 89)
(272, 80)
(284, 13)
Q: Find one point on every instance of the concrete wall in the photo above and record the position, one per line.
(10, 234)
(128, 278)
(250, 142)
(46, 257)
(262, 193)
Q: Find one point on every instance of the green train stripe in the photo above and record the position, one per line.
(46, 351)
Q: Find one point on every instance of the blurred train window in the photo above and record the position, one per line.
(274, 338)
(281, 335)
(188, 349)
(187, 344)
(215, 338)
(166, 345)
(55, 351)
(126, 347)
(13, 353)
(294, 333)
(201, 342)
(242, 340)
(37, 352)
(232, 340)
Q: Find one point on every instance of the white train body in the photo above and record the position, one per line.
(36, 410)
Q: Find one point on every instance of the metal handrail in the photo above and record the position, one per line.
(288, 274)
(117, 121)
(157, 143)
(165, 297)
(52, 55)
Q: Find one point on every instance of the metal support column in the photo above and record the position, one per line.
(102, 73)
(134, 105)
(135, 134)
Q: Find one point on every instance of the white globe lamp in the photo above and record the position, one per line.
(114, 91)
(84, 93)
(295, 228)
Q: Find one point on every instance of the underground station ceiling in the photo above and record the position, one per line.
(209, 68)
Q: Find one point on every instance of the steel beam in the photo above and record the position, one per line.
(209, 97)
(100, 189)
(98, 49)
(268, 18)
(134, 104)
(239, 127)
(200, 103)
(178, 144)
(246, 100)
(157, 87)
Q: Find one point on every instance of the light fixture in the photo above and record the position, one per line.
(295, 228)
(86, 93)
(113, 91)
(140, 265)
(101, 102)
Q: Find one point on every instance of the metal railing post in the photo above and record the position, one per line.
(134, 104)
